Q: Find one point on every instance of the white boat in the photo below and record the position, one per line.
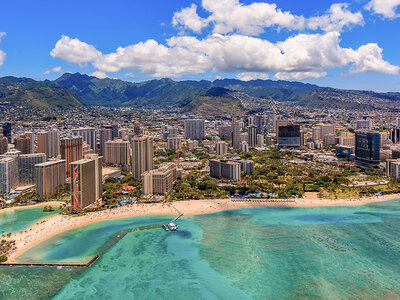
(172, 226)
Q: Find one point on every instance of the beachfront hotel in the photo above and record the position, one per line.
(8, 174)
(50, 178)
(142, 156)
(71, 150)
(226, 169)
(159, 181)
(86, 181)
(26, 167)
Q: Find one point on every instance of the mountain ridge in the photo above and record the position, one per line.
(75, 89)
(36, 94)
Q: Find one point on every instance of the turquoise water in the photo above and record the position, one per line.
(251, 253)
(19, 219)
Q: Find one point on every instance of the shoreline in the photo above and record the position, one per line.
(51, 203)
(56, 224)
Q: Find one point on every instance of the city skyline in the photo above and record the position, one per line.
(200, 149)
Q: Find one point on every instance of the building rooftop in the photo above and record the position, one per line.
(6, 159)
(71, 137)
(49, 163)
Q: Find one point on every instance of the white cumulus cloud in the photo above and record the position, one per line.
(73, 50)
(298, 57)
(99, 74)
(234, 46)
(189, 19)
(54, 70)
(231, 16)
(154, 59)
(368, 58)
(386, 8)
(129, 74)
(298, 75)
(2, 53)
(247, 76)
(337, 17)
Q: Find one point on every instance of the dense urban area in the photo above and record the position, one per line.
(101, 157)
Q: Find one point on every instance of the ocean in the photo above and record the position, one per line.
(250, 253)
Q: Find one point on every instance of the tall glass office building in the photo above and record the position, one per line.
(289, 136)
(7, 131)
(367, 149)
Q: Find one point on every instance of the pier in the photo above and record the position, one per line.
(87, 265)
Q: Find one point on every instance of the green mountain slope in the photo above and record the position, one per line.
(216, 101)
(71, 90)
(169, 93)
(37, 94)
(115, 92)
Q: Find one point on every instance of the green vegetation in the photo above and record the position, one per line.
(194, 186)
(5, 247)
(112, 188)
(71, 90)
(276, 173)
(166, 92)
(214, 106)
(48, 208)
(114, 92)
(36, 94)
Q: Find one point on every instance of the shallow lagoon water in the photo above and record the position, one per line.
(250, 253)
(19, 219)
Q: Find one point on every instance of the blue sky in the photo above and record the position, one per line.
(329, 43)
